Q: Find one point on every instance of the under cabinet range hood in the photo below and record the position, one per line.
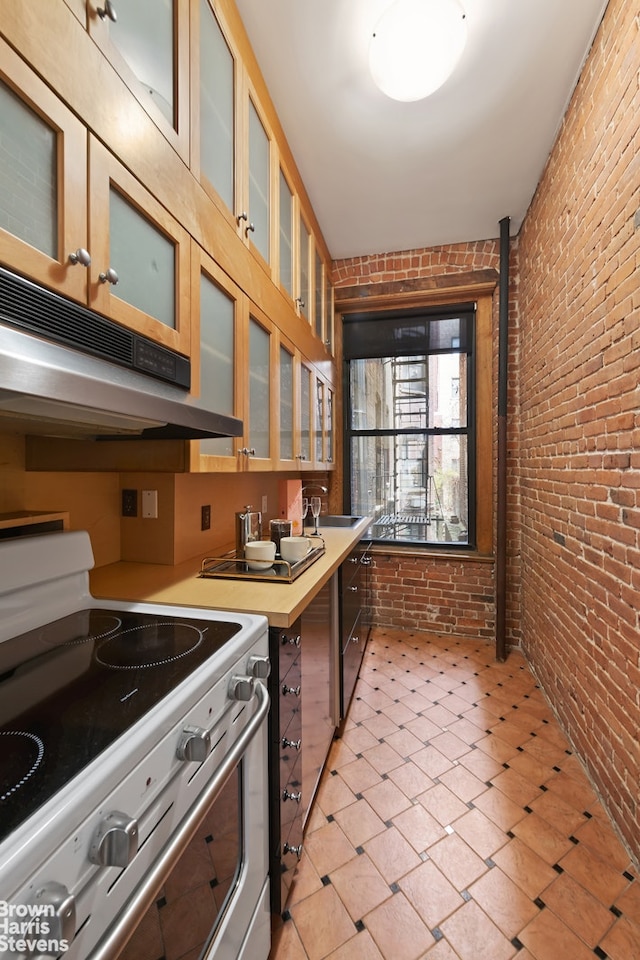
(65, 371)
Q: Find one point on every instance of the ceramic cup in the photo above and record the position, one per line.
(294, 548)
(259, 554)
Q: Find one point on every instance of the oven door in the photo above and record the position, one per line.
(206, 895)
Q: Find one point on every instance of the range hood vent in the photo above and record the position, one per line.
(90, 377)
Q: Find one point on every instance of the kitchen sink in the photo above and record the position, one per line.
(337, 520)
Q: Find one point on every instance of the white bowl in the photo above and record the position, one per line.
(259, 554)
(293, 549)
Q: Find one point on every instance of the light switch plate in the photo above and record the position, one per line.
(150, 504)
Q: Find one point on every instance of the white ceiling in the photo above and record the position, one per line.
(384, 175)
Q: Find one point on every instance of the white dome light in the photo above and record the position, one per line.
(416, 46)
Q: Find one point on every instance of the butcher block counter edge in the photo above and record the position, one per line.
(281, 603)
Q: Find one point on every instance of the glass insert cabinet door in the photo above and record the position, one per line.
(28, 175)
(305, 414)
(217, 359)
(259, 389)
(286, 235)
(217, 66)
(43, 181)
(144, 36)
(286, 404)
(145, 259)
(259, 204)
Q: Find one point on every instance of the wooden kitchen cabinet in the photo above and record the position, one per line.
(38, 231)
(148, 46)
(70, 213)
(238, 371)
(132, 233)
(285, 760)
(303, 687)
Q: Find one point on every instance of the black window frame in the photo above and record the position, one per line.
(365, 333)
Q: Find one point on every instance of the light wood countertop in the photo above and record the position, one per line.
(281, 603)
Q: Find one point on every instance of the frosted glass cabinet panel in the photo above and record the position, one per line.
(259, 205)
(135, 241)
(286, 235)
(304, 272)
(144, 260)
(217, 359)
(43, 181)
(305, 414)
(144, 35)
(286, 404)
(217, 66)
(328, 314)
(259, 389)
(318, 425)
(28, 175)
(318, 318)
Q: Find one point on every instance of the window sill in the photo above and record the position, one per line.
(395, 550)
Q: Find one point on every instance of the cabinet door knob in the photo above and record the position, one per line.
(294, 690)
(109, 276)
(250, 228)
(107, 11)
(291, 796)
(248, 451)
(291, 744)
(289, 848)
(353, 589)
(81, 256)
(294, 641)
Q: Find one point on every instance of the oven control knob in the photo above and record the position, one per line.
(194, 744)
(259, 667)
(115, 842)
(241, 688)
(60, 910)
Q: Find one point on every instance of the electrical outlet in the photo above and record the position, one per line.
(205, 517)
(264, 503)
(129, 503)
(150, 504)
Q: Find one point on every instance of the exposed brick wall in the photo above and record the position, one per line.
(452, 596)
(579, 463)
(442, 595)
(412, 264)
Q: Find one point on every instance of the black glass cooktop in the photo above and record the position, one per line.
(71, 688)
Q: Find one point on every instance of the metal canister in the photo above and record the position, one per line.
(248, 527)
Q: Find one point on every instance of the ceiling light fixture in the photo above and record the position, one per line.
(415, 47)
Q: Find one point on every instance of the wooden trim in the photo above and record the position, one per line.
(421, 291)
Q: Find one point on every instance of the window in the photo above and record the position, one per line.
(410, 426)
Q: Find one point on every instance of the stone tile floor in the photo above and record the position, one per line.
(453, 822)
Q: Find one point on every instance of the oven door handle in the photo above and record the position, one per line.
(117, 935)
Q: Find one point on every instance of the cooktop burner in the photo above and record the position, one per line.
(71, 688)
